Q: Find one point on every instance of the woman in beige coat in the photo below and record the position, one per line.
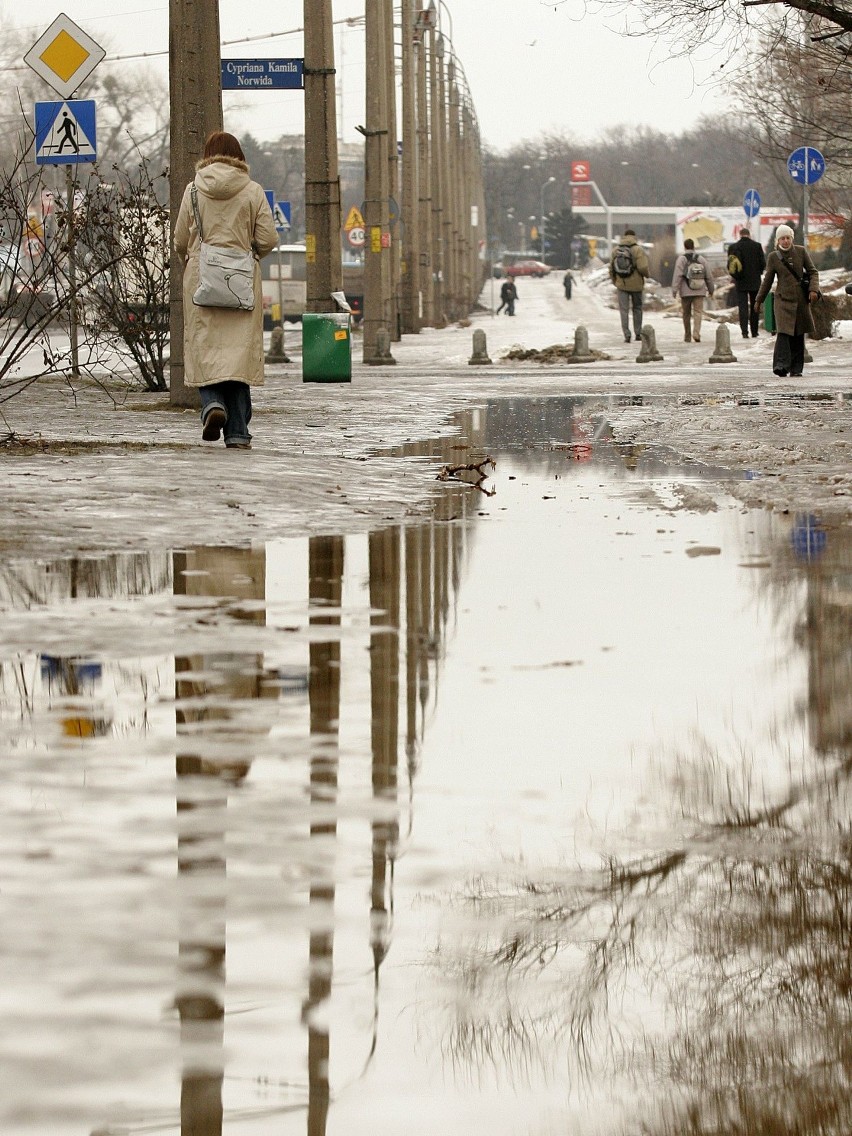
(796, 290)
(223, 347)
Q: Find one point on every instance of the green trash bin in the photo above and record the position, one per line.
(769, 312)
(326, 347)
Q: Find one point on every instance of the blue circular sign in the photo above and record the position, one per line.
(751, 203)
(806, 165)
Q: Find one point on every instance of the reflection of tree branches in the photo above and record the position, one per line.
(742, 933)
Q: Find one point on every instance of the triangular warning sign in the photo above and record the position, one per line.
(354, 220)
(66, 138)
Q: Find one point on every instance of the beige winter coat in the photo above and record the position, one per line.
(223, 343)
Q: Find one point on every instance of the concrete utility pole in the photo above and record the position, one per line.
(424, 171)
(477, 201)
(324, 268)
(446, 200)
(195, 100)
(437, 121)
(376, 218)
(393, 170)
(456, 191)
(410, 236)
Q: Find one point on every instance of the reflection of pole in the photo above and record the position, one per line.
(325, 591)
(72, 271)
(202, 801)
(384, 556)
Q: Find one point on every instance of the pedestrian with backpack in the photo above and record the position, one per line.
(628, 270)
(746, 265)
(692, 281)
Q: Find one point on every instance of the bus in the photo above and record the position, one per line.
(293, 285)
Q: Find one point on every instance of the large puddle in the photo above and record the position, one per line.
(525, 819)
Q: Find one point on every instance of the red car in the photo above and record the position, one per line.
(528, 268)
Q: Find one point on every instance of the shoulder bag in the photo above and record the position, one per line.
(225, 275)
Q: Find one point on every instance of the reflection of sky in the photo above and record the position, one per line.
(593, 642)
(584, 650)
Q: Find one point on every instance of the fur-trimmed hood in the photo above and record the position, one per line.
(220, 177)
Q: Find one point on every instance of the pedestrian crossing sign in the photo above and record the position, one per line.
(65, 132)
(281, 215)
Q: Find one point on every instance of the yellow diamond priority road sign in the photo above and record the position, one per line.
(64, 56)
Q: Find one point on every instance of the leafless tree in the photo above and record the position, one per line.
(124, 249)
(689, 24)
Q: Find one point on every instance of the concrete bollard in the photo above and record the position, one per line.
(648, 352)
(276, 353)
(480, 349)
(382, 357)
(722, 351)
(581, 352)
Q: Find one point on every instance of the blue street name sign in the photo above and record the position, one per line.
(263, 74)
(751, 203)
(65, 132)
(806, 165)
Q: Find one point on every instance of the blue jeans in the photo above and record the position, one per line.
(235, 399)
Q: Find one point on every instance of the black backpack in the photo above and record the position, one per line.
(622, 261)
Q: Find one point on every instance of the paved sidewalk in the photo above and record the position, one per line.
(126, 469)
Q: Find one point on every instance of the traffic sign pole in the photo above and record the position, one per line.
(65, 56)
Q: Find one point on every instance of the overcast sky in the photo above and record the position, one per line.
(531, 67)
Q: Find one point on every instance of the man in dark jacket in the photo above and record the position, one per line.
(752, 264)
(508, 295)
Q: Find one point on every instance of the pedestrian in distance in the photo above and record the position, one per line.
(508, 296)
(796, 289)
(568, 283)
(223, 347)
(746, 265)
(628, 270)
(692, 281)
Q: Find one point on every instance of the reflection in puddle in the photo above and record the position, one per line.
(528, 816)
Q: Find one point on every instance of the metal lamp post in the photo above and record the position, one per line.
(541, 227)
